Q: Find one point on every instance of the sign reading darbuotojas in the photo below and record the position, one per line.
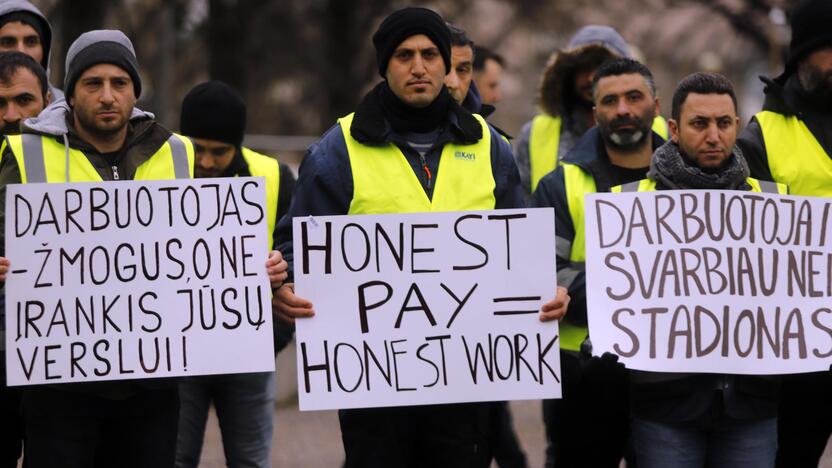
(136, 279)
(426, 308)
(711, 281)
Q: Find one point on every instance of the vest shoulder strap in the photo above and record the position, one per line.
(33, 158)
(179, 153)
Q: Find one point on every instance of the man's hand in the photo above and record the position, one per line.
(287, 306)
(556, 308)
(4, 268)
(276, 268)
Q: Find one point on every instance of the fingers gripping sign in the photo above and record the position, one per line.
(4, 268)
(556, 308)
(277, 268)
(288, 306)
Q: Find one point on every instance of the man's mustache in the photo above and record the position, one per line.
(619, 122)
(12, 128)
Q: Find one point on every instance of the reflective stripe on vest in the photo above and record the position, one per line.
(544, 141)
(384, 181)
(648, 185)
(643, 185)
(577, 183)
(260, 165)
(45, 159)
(795, 157)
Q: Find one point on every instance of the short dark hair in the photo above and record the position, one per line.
(624, 66)
(458, 37)
(482, 54)
(701, 83)
(11, 61)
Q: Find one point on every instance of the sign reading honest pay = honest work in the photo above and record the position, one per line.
(136, 279)
(711, 281)
(426, 308)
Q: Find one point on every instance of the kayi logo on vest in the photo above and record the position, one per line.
(465, 156)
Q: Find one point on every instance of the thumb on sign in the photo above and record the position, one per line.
(555, 309)
(287, 306)
(4, 268)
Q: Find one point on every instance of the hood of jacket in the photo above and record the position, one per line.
(53, 120)
(12, 6)
(775, 96)
(588, 49)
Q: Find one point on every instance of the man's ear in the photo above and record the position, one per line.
(48, 98)
(674, 130)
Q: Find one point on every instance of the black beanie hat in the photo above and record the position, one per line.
(214, 111)
(811, 29)
(38, 24)
(101, 46)
(407, 22)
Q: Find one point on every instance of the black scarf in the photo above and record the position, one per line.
(404, 118)
(671, 170)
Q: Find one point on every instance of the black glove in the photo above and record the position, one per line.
(606, 379)
(605, 369)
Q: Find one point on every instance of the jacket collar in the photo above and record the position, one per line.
(590, 150)
(369, 126)
(54, 120)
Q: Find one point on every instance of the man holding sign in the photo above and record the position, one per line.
(384, 158)
(24, 93)
(98, 135)
(616, 151)
(214, 117)
(695, 420)
(106, 139)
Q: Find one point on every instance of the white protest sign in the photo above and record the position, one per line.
(426, 308)
(136, 279)
(710, 281)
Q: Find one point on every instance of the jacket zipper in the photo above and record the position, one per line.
(115, 172)
(426, 168)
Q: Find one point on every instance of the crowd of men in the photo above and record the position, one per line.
(599, 130)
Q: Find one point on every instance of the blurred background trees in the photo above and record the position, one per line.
(300, 64)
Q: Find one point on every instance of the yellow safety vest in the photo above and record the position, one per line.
(260, 165)
(384, 182)
(577, 183)
(544, 139)
(794, 155)
(46, 159)
(648, 185)
(660, 127)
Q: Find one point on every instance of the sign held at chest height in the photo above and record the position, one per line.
(426, 308)
(711, 281)
(136, 279)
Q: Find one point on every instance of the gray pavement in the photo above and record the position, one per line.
(312, 439)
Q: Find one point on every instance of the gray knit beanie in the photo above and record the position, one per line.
(101, 46)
